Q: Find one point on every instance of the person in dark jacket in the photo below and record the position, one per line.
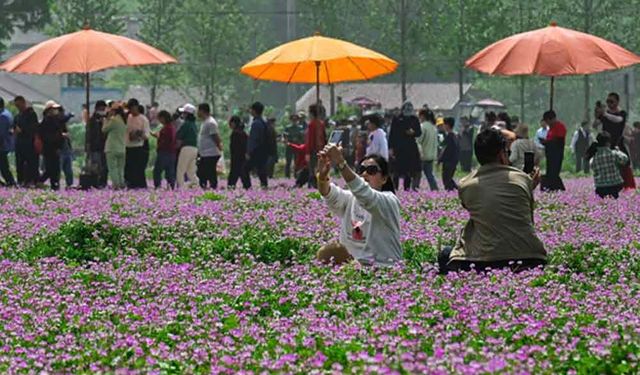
(258, 146)
(466, 145)
(238, 145)
(272, 140)
(449, 156)
(166, 155)
(25, 127)
(52, 130)
(6, 144)
(94, 143)
(403, 149)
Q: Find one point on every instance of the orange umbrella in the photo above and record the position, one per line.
(84, 51)
(318, 59)
(551, 51)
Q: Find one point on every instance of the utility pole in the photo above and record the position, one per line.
(460, 54)
(588, 18)
(403, 43)
(522, 79)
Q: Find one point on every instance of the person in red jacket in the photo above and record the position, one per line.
(301, 165)
(315, 140)
(167, 149)
(554, 150)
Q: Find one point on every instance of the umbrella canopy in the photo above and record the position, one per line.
(84, 51)
(490, 103)
(551, 51)
(363, 101)
(319, 59)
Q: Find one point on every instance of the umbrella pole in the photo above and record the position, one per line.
(318, 87)
(552, 93)
(88, 87)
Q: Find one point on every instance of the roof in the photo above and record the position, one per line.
(10, 87)
(443, 96)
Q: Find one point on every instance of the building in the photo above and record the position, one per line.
(443, 97)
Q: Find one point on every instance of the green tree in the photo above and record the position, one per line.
(215, 35)
(160, 19)
(23, 14)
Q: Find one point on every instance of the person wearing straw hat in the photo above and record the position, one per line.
(51, 131)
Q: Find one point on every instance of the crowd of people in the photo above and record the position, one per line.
(371, 153)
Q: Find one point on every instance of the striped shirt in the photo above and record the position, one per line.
(606, 167)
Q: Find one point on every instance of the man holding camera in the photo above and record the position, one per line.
(499, 198)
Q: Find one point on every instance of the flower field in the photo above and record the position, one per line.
(193, 282)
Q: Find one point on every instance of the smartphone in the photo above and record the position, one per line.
(336, 137)
(528, 162)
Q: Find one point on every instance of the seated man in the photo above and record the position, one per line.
(500, 232)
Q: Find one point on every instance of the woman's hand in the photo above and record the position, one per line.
(324, 166)
(333, 152)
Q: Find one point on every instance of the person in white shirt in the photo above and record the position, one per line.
(377, 138)
(541, 134)
(138, 131)
(369, 208)
(428, 146)
(580, 143)
(522, 145)
(209, 148)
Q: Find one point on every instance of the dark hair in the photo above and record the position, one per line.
(204, 107)
(603, 139)
(19, 98)
(375, 120)
(1, 103)
(615, 95)
(384, 169)
(504, 116)
(189, 116)
(427, 114)
(99, 104)
(490, 116)
(133, 102)
(549, 115)
(258, 108)
(155, 104)
(141, 109)
(165, 115)
(120, 112)
(450, 121)
(237, 123)
(488, 145)
(313, 110)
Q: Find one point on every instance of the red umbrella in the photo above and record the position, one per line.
(551, 51)
(84, 52)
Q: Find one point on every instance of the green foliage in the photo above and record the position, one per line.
(23, 14)
(71, 15)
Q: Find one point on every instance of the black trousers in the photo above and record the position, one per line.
(290, 155)
(26, 164)
(466, 158)
(448, 170)
(259, 164)
(516, 265)
(239, 170)
(208, 172)
(581, 162)
(407, 178)
(135, 165)
(4, 169)
(52, 168)
(609, 191)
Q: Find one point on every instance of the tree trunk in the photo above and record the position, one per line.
(460, 54)
(403, 42)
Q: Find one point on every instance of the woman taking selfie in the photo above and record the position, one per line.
(370, 210)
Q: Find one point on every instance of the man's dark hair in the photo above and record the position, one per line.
(384, 169)
(615, 95)
(204, 107)
(258, 108)
(133, 102)
(375, 120)
(1, 103)
(491, 116)
(450, 121)
(155, 104)
(427, 114)
(603, 139)
(19, 98)
(313, 110)
(549, 115)
(100, 104)
(488, 145)
(165, 115)
(141, 109)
